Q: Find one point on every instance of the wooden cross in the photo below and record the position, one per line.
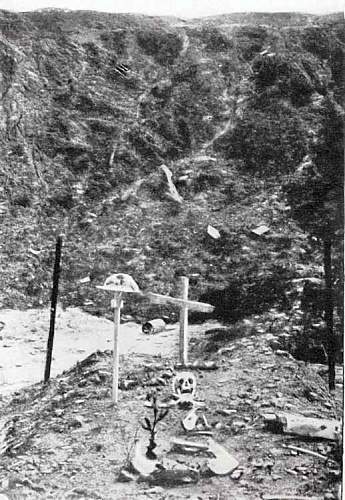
(184, 305)
(120, 284)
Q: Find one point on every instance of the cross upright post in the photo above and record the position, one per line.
(118, 285)
(117, 317)
(184, 306)
(183, 344)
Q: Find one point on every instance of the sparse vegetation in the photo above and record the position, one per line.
(151, 425)
(86, 143)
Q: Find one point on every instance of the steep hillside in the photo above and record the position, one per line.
(92, 104)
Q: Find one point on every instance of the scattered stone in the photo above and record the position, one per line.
(125, 476)
(184, 445)
(224, 463)
(85, 493)
(5, 483)
(155, 381)
(198, 432)
(174, 477)
(311, 396)
(140, 463)
(57, 399)
(226, 413)
(128, 384)
(103, 375)
(157, 490)
(77, 421)
(199, 365)
(303, 426)
(95, 379)
(282, 353)
(238, 424)
(275, 345)
(29, 484)
(225, 350)
(260, 230)
(237, 474)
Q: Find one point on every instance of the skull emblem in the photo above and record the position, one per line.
(184, 386)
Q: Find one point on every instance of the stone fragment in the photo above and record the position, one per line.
(184, 445)
(128, 384)
(174, 477)
(125, 476)
(140, 463)
(223, 463)
(76, 421)
(236, 474)
(227, 413)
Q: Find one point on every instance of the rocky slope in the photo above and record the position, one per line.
(92, 104)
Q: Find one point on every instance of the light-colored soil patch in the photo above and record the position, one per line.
(23, 342)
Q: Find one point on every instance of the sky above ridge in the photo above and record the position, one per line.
(180, 8)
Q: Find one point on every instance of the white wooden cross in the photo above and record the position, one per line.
(184, 305)
(118, 284)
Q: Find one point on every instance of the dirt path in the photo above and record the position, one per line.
(23, 342)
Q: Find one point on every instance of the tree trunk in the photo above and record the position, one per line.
(331, 341)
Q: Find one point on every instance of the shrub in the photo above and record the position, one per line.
(293, 77)
(163, 46)
(249, 294)
(250, 40)
(316, 40)
(115, 40)
(215, 40)
(267, 69)
(22, 199)
(337, 64)
(267, 142)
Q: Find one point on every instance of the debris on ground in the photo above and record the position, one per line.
(140, 463)
(70, 433)
(304, 426)
(223, 463)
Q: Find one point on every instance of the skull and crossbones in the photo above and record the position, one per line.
(184, 387)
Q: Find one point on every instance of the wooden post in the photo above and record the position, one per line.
(117, 316)
(184, 305)
(54, 296)
(331, 339)
(183, 346)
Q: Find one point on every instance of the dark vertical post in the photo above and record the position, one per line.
(54, 297)
(331, 342)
